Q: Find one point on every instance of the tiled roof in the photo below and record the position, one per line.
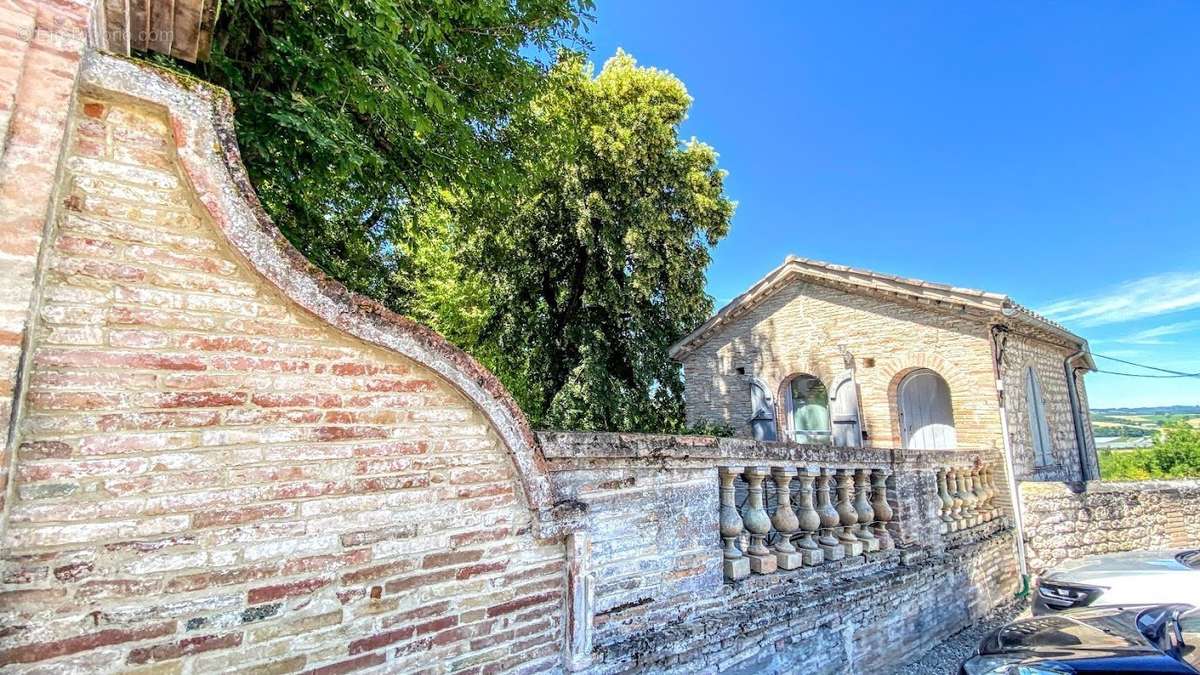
(869, 281)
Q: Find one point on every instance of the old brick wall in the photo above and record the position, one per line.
(1020, 353)
(650, 505)
(41, 44)
(808, 328)
(865, 614)
(211, 477)
(1061, 524)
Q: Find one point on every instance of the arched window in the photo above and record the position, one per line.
(808, 410)
(762, 413)
(1039, 430)
(926, 412)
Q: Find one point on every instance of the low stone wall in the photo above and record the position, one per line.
(649, 505)
(1067, 521)
(861, 615)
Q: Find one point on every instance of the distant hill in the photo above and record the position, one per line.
(1159, 410)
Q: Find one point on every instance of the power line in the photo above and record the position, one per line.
(1170, 373)
(1168, 377)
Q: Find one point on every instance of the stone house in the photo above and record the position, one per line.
(822, 353)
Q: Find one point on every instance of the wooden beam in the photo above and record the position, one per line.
(162, 25)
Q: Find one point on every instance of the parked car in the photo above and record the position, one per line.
(1133, 578)
(1154, 639)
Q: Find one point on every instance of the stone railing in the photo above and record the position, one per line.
(654, 539)
(783, 518)
(819, 514)
(968, 496)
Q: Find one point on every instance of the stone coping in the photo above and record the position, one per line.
(1051, 489)
(571, 449)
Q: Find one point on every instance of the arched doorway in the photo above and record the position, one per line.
(926, 412)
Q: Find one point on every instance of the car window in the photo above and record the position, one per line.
(1190, 627)
(1190, 558)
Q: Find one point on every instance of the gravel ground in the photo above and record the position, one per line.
(949, 655)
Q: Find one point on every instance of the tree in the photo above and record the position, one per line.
(593, 261)
(353, 114)
(1175, 454)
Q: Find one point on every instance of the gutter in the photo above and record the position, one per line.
(1014, 495)
(1077, 416)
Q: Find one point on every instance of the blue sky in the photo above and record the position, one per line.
(1050, 151)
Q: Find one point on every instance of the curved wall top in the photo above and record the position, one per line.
(201, 116)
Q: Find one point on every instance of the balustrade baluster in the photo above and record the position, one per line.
(980, 495)
(956, 501)
(862, 508)
(809, 519)
(966, 516)
(881, 508)
(736, 565)
(847, 514)
(991, 488)
(830, 547)
(757, 523)
(947, 502)
(969, 495)
(785, 521)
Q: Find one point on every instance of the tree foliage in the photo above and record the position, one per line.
(593, 262)
(549, 222)
(352, 114)
(1175, 454)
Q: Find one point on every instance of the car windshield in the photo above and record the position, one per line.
(1190, 558)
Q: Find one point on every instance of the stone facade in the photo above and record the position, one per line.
(833, 330)
(1020, 354)
(1064, 524)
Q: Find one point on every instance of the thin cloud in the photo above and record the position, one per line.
(1137, 299)
(1154, 336)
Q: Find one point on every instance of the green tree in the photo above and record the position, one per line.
(352, 114)
(593, 261)
(1175, 454)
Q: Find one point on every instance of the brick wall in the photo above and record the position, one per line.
(41, 44)
(211, 476)
(1061, 524)
(807, 328)
(811, 328)
(650, 506)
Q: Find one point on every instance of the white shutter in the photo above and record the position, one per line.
(926, 413)
(843, 409)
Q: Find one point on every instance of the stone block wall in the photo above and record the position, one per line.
(650, 506)
(1021, 353)
(1064, 524)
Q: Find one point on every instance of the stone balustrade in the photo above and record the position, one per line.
(787, 517)
(817, 515)
(967, 495)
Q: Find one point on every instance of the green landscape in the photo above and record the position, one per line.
(1173, 434)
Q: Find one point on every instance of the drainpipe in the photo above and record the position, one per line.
(1076, 415)
(1010, 473)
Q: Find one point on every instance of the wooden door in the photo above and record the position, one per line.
(926, 413)
(843, 405)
